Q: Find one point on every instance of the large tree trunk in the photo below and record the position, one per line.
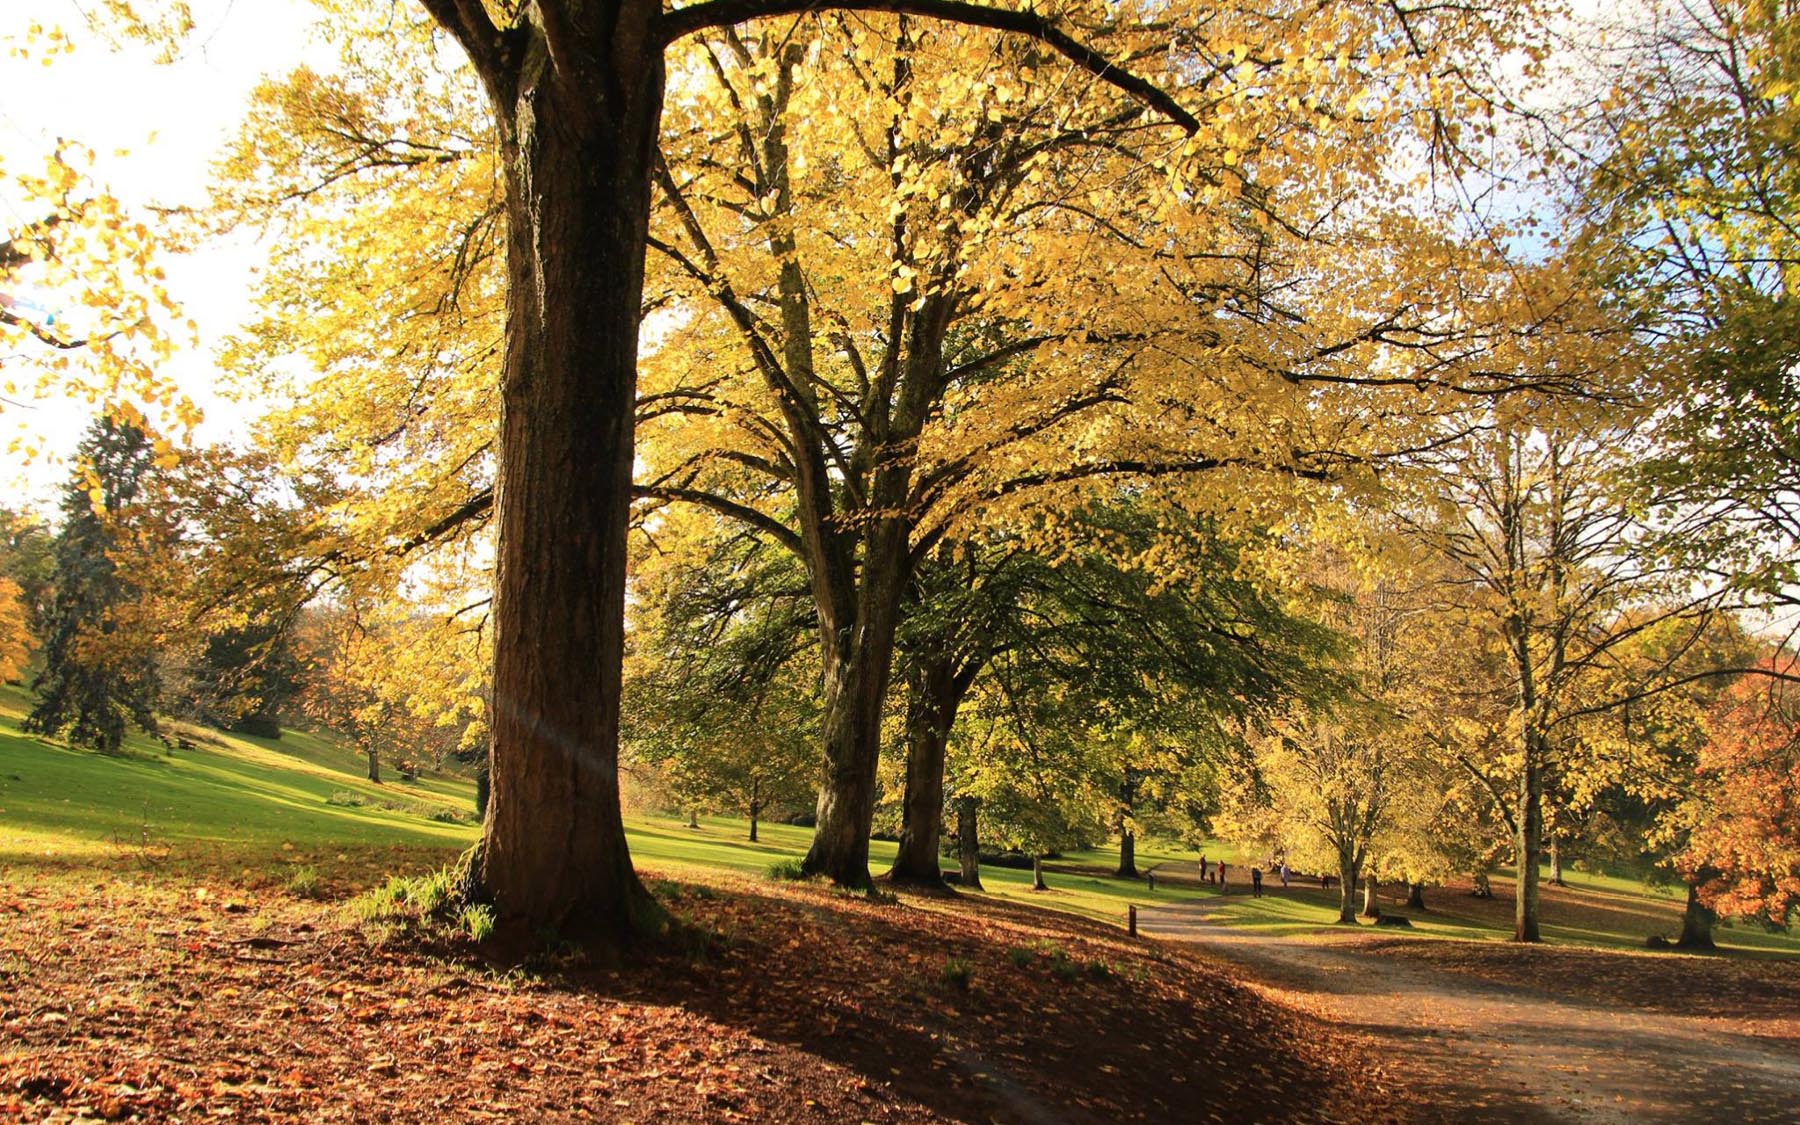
(1371, 907)
(856, 682)
(374, 763)
(1037, 874)
(1697, 921)
(1415, 896)
(577, 138)
(1347, 864)
(931, 704)
(1127, 838)
(1528, 845)
(968, 841)
(1556, 875)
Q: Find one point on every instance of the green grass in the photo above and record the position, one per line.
(230, 796)
(241, 801)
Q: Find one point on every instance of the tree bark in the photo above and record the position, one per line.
(1037, 874)
(755, 805)
(931, 704)
(1371, 907)
(1127, 838)
(1415, 896)
(856, 682)
(1347, 865)
(1556, 874)
(1697, 921)
(1127, 852)
(968, 841)
(374, 763)
(1528, 845)
(578, 109)
(693, 818)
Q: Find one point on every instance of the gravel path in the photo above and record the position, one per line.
(1484, 1051)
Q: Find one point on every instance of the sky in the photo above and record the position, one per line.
(170, 120)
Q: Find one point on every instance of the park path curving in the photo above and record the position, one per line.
(1477, 1050)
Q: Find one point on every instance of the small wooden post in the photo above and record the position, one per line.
(1131, 919)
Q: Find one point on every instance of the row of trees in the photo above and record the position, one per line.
(999, 374)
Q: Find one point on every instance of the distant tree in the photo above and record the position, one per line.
(1743, 853)
(15, 634)
(244, 676)
(99, 661)
(721, 687)
(28, 560)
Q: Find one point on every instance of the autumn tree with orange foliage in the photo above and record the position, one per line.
(1743, 854)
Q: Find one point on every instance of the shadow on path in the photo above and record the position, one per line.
(1491, 1051)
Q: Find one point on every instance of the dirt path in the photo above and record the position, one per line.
(1485, 1050)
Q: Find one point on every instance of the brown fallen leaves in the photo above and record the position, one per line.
(122, 999)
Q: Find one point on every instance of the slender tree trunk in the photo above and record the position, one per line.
(1037, 874)
(1528, 844)
(1556, 874)
(931, 704)
(1697, 921)
(1371, 907)
(1347, 863)
(1415, 896)
(968, 840)
(755, 805)
(577, 146)
(374, 762)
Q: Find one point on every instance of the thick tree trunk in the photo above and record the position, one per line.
(693, 818)
(1528, 845)
(1371, 907)
(931, 704)
(374, 764)
(1347, 864)
(1037, 874)
(1483, 889)
(1415, 896)
(968, 841)
(1556, 875)
(577, 144)
(1697, 921)
(1127, 838)
(856, 682)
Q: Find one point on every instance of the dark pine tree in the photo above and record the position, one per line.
(96, 680)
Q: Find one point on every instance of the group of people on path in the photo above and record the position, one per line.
(1215, 874)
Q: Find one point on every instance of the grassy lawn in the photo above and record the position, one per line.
(231, 797)
(243, 804)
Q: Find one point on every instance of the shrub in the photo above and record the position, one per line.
(957, 973)
(786, 870)
(447, 816)
(1062, 968)
(1020, 956)
(346, 798)
(304, 883)
(478, 921)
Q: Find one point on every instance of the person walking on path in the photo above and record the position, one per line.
(1203, 868)
(1221, 876)
(1256, 882)
(1284, 875)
